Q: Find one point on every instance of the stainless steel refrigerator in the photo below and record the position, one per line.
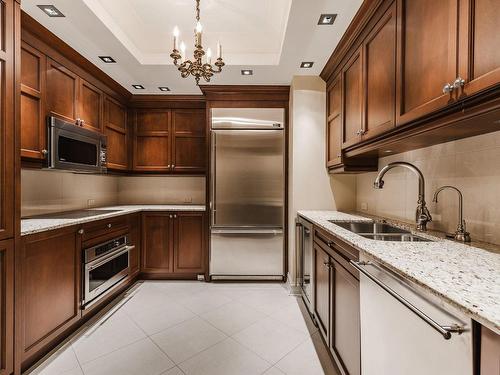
(247, 193)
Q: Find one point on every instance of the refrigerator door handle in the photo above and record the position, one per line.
(276, 231)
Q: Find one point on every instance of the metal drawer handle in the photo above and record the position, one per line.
(327, 264)
(91, 266)
(445, 331)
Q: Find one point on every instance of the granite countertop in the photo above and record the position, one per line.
(462, 275)
(47, 222)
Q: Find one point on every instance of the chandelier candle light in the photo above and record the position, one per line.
(201, 66)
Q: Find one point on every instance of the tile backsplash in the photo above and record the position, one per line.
(45, 191)
(471, 164)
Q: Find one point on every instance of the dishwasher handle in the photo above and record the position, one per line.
(445, 331)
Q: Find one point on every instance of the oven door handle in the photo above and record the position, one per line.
(99, 262)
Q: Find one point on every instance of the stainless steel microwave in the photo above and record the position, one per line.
(74, 148)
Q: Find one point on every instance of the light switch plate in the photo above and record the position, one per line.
(90, 203)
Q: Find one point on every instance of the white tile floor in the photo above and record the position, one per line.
(193, 328)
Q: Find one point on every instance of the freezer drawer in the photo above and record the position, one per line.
(247, 253)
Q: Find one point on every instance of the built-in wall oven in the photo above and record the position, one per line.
(74, 148)
(305, 269)
(104, 266)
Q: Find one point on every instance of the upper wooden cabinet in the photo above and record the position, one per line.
(62, 91)
(352, 92)
(428, 56)
(334, 124)
(152, 133)
(33, 137)
(414, 74)
(170, 141)
(189, 140)
(479, 55)
(116, 130)
(90, 105)
(379, 76)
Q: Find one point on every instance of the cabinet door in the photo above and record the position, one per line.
(428, 54)
(33, 126)
(152, 141)
(322, 291)
(189, 141)
(115, 128)
(352, 92)
(157, 243)
(479, 52)
(7, 306)
(379, 51)
(345, 320)
(189, 242)
(90, 102)
(62, 84)
(334, 124)
(49, 295)
(134, 239)
(8, 93)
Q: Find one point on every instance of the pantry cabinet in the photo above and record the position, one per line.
(189, 140)
(173, 244)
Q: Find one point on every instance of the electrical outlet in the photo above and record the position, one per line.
(90, 203)
(188, 200)
(364, 206)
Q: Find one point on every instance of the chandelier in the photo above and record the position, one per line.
(199, 67)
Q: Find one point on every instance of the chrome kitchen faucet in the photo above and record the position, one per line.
(423, 215)
(461, 234)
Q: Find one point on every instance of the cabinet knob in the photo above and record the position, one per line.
(175, 216)
(327, 264)
(109, 225)
(82, 122)
(448, 88)
(44, 152)
(168, 166)
(81, 231)
(339, 155)
(173, 166)
(459, 82)
(78, 121)
(171, 216)
(330, 243)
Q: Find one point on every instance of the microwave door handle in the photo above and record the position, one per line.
(99, 262)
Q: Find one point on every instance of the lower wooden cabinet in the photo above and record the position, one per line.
(49, 290)
(173, 244)
(6, 306)
(489, 363)
(134, 238)
(337, 301)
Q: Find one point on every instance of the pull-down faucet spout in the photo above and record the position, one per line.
(422, 216)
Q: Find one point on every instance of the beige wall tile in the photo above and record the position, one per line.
(471, 164)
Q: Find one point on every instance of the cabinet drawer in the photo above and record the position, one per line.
(104, 227)
(334, 246)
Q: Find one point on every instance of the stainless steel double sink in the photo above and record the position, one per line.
(380, 231)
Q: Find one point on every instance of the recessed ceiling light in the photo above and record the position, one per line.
(164, 88)
(307, 64)
(107, 59)
(327, 19)
(51, 10)
(247, 72)
(138, 87)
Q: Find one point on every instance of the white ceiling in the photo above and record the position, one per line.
(272, 37)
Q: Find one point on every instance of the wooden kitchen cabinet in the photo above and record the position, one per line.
(173, 244)
(337, 308)
(157, 239)
(428, 36)
(62, 91)
(479, 59)
(152, 141)
(115, 128)
(90, 105)
(334, 124)
(345, 319)
(47, 286)
(322, 293)
(489, 363)
(7, 306)
(379, 76)
(352, 94)
(189, 140)
(33, 124)
(134, 238)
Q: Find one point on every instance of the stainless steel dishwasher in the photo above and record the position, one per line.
(304, 253)
(406, 330)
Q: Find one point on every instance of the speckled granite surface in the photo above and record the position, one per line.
(464, 276)
(49, 222)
